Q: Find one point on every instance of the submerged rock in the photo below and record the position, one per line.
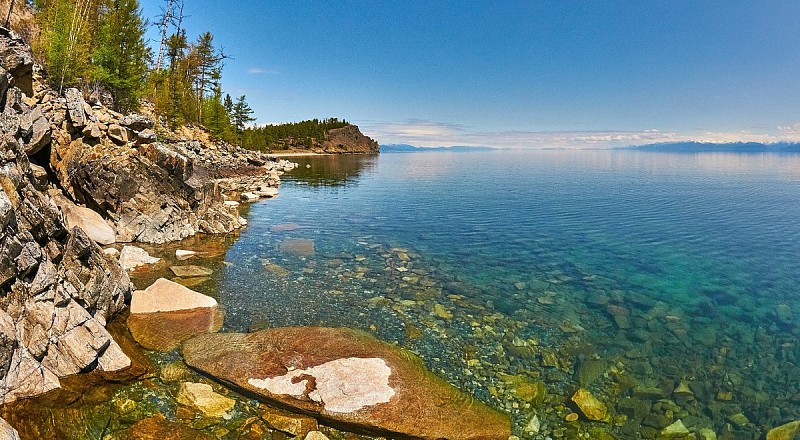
(167, 313)
(788, 431)
(676, 430)
(158, 427)
(284, 227)
(191, 271)
(592, 408)
(132, 256)
(202, 397)
(295, 424)
(346, 377)
(299, 247)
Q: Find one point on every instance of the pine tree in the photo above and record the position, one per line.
(215, 118)
(240, 115)
(122, 54)
(228, 103)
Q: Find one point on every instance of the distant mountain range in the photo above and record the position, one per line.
(741, 147)
(405, 148)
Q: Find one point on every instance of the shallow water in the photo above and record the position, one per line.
(665, 284)
(665, 267)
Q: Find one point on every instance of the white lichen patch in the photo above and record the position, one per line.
(342, 386)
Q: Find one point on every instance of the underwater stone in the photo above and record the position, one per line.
(592, 408)
(167, 313)
(409, 399)
(202, 397)
(785, 432)
(191, 271)
(295, 424)
(299, 247)
(676, 430)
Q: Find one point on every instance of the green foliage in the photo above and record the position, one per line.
(100, 42)
(66, 40)
(276, 137)
(121, 55)
(240, 114)
(215, 118)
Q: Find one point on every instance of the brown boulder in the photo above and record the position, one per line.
(167, 313)
(348, 378)
(300, 247)
(158, 427)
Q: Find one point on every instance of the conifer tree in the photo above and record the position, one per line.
(121, 54)
(240, 115)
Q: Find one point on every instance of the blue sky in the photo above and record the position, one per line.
(521, 74)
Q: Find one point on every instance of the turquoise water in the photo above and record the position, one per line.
(627, 273)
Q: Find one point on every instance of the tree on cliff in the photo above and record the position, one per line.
(240, 114)
(215, 118)
(66, 39)
(122, 54)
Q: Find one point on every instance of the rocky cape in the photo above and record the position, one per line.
(344, 140)
(73, 175)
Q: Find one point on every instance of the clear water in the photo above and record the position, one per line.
(665, 268)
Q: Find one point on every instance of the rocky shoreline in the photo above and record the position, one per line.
(75, 175)
(77, 182)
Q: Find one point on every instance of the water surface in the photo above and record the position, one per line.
(628, 273)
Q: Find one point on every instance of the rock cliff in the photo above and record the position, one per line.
(150, 191)
(58, 289)
(348, 140)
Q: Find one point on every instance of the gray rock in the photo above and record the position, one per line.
(146, 137)
(132, 256)
(118, 133)
(7, 432)
(17, 60)
(137, 122)
(35, 130)
(6, 209)
(91, 130)
(75, 105)
(91, 222)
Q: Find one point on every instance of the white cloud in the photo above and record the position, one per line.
(261, 71)
(429, 133)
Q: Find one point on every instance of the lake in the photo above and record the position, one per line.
(663, 284)
(666, 284)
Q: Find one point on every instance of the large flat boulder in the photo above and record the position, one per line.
(90, 221)
(348, 378)
(167, 313)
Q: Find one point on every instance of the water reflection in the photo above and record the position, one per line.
(330, 170)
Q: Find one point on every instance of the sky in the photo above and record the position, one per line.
(528, 74)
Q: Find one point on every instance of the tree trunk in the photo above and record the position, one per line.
(8, 17)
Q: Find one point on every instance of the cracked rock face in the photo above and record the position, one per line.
(57, 288)
(345, 377)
